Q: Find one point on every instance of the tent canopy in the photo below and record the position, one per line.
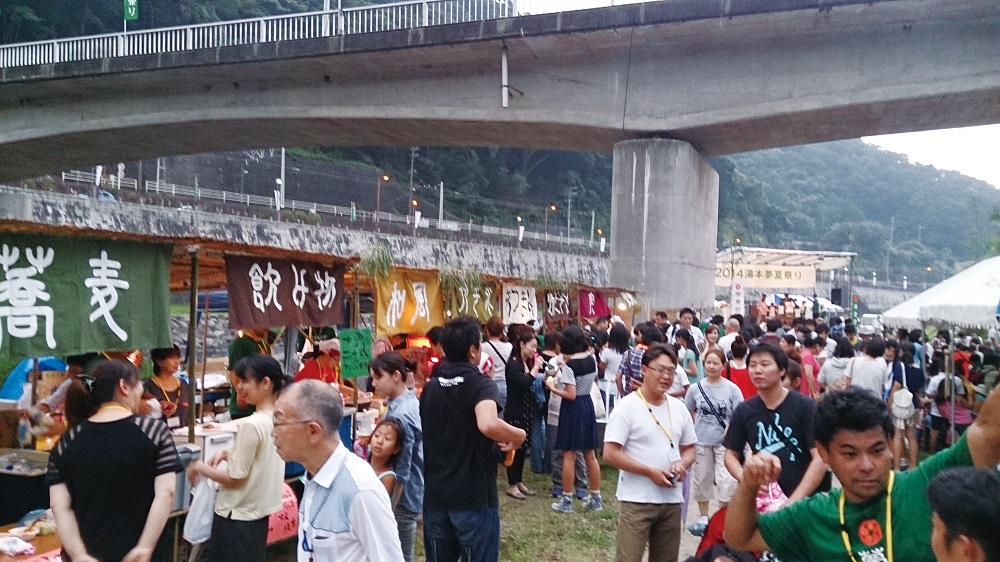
(821, 260)
(968, 300)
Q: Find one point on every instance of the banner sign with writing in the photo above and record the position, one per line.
(519, 304)
(477, 302)
(408, 302)
(355, 352)
(765, 276)
(65, 296)
(557, 306)
(265, 292)
(593, 304)
(738, 296)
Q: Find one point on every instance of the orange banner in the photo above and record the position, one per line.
(408, 302)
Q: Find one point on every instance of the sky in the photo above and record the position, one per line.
(973, 151)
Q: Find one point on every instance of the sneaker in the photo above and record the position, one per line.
(556, 491)
(564, 505)
(698, 527)
(593, 503)
(581, 493)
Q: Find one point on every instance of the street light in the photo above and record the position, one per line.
(547, 209)
(378, 193)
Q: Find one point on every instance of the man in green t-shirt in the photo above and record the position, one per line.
(879, 515)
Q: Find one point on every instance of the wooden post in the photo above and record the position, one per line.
(192, 334)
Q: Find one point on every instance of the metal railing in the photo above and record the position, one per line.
(339, 211)
(310, 25)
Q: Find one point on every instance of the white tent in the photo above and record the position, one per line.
(968, 299)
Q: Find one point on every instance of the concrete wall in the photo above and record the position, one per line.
(724, 76)
(38, 211)
(664, 219)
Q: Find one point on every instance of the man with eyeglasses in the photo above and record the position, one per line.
(345, 515)
(650, 439)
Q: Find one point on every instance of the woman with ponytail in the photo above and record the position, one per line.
(250, 483)
(111, 477)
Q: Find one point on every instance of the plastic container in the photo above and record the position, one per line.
(182, 496)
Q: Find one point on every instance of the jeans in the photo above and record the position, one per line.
(540, 463)
(469, 536)
(406, 524)
(501, 395)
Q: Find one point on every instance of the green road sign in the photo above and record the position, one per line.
(131, 10)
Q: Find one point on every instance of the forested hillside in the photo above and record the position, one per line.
(844, 195)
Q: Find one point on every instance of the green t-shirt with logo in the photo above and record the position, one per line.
(810, 529)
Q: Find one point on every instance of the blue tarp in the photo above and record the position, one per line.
(14, 386)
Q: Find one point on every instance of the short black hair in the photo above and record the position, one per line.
(574, 340)
(875, 348)
(967, 500)
(655, 351)
(853, 409)
(686, 310)
(768, 348)
(773, 325)
(651, 333)
(434, 334)
(459, 335)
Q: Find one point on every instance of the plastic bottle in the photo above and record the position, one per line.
(24, 432)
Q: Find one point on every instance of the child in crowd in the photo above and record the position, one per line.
(387, 443)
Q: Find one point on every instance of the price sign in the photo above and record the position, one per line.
(355, 352)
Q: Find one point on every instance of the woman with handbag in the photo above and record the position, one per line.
(711, 403)
(523, 367)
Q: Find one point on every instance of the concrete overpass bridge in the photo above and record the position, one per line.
(661, 84)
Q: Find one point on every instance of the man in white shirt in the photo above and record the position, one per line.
(345, 513)
(686, 321)
(650, 439)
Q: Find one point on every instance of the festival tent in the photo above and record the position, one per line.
(14, 385)
(966, 300)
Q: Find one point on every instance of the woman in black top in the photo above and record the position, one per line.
(522, 368)
(111, 477)
(164, 386)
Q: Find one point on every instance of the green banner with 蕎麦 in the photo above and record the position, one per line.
(70, 295)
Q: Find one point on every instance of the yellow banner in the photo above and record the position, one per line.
(408, 302)
(765, 276)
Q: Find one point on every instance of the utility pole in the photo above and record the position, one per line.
(413, 156)
(892, 228)
(569, 209)
(441, 205)
(593, 215)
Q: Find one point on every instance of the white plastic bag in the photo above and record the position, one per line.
(595, 396)
(198, 526)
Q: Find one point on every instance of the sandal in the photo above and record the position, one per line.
(526, 491)
(516, 495)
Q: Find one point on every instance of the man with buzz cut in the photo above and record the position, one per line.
(880, 514)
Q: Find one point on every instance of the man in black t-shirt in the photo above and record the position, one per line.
(458, 413)
(777, 421)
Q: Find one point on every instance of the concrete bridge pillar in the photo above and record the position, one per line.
(664, 219)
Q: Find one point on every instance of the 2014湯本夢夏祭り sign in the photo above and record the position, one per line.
(759, 276)
(65, 296)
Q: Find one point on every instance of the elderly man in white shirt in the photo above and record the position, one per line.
(345, 515)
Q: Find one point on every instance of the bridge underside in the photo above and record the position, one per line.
(722, 81)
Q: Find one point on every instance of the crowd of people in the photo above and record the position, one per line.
(756, 414)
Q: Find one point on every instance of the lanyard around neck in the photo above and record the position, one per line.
(888, 522)
(655, 419)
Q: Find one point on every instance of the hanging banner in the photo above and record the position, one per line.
(265, 292)
(738, 296)
(66, 296)
(408, 302)
(519, 304)
(593, 304)
(765, 276)
(557, 306)
(477, 302)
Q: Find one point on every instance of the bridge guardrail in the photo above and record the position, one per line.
(408, 14)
